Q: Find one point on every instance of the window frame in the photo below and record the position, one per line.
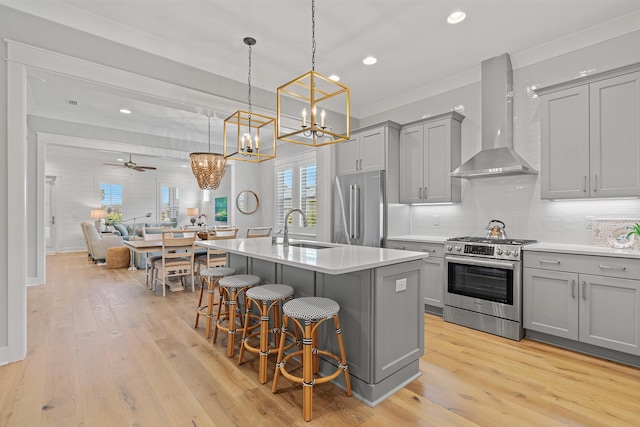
(294, 163)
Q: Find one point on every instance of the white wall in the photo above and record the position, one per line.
(515, 200)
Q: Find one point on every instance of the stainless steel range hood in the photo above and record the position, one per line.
(497, 156)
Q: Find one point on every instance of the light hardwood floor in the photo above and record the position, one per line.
(105, 351)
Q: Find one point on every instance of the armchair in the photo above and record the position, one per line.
(97, 245)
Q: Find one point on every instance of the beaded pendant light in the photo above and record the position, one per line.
(208, 168)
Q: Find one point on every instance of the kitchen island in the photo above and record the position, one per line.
(379, 293)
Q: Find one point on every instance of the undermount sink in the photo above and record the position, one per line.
(308, 245)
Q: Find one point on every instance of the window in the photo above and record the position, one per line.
(169, 204)
(296, 188)
(111, 201)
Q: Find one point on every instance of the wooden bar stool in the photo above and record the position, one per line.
(211, 277)
(267, 299)
(312, 311)
(230, 288)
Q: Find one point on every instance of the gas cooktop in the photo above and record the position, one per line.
(516, 242)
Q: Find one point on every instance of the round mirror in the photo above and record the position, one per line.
(247, 202)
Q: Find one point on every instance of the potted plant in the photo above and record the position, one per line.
(635, 232)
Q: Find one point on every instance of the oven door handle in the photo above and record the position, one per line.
(481, 263)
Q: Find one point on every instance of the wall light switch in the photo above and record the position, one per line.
(401, 285)
(436, 220)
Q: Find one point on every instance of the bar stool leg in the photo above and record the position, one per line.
(276, 373)
(343, 357)
(307, 370)
(202, 279)
(231, 333)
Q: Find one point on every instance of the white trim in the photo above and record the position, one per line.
(17, 215)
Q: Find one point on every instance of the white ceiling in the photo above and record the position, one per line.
(415, 46)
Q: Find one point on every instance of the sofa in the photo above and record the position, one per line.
(97, 244)
(127, 232)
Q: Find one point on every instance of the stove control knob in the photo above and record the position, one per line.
(449, 247)
(458, 248)
(507, 252)
(516, 253)
(499, 251)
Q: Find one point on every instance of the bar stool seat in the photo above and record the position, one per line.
(230, 288)
(211, 277)
(312, 311)
(267, 299)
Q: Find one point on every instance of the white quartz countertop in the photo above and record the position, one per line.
(582, 250)
(420, 239)
(335, 259)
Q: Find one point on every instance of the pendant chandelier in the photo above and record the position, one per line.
(208, 167)
(324, 119)
(248, 136)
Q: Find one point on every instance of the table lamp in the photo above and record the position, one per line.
(193, 213)
(98, 215)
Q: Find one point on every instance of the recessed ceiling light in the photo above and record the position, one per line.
(42, 80)
(369, 60)
(125, 111)
(456, 17)
(334, 77)
(120, 160)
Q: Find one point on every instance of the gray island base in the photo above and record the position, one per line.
(381, 310)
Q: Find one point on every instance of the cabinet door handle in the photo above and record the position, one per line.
(356, 164)
(428, 250)
(360, 164)
(613, 267)
(585, 184)
(584, 289)
(573, 289)
(549, 261)
(424, 193)
(398, 247)
(595, 182)
(420, 193)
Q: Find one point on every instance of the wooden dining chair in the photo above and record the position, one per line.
(177, 259)
(215, 257)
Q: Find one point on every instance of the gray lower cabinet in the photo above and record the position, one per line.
(563, 297)
(433, 284)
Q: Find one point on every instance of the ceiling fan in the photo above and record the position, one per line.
(131, 165)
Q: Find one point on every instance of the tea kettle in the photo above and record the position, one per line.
(496, 231)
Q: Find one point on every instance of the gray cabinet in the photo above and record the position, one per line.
(590, 136)
(432, 286)
(591, 299)
(368, 148)
(429, 151)
(372, 148)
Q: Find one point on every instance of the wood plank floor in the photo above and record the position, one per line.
(105, 351)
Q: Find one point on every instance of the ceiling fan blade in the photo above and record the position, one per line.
(138, 168)
(152, 168)
(113, 164)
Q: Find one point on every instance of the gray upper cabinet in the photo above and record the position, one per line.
(368, 149)
(429, 150)
(590, 136)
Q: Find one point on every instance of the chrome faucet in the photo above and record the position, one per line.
(285, 239)
(274, 237)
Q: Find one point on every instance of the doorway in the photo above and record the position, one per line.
(49, 214)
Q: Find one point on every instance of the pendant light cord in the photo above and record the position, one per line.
(249, 83)
(209, 149)
(313, 35)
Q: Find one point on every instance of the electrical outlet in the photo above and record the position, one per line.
(401, 285)
(436, 220)
(588, 222)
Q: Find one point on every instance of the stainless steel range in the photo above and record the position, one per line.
(483, 284)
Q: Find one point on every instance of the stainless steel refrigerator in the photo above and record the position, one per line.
(360, 208)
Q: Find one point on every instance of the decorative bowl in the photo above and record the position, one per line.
(619, 240)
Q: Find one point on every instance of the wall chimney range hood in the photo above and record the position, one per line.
(497, 156)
